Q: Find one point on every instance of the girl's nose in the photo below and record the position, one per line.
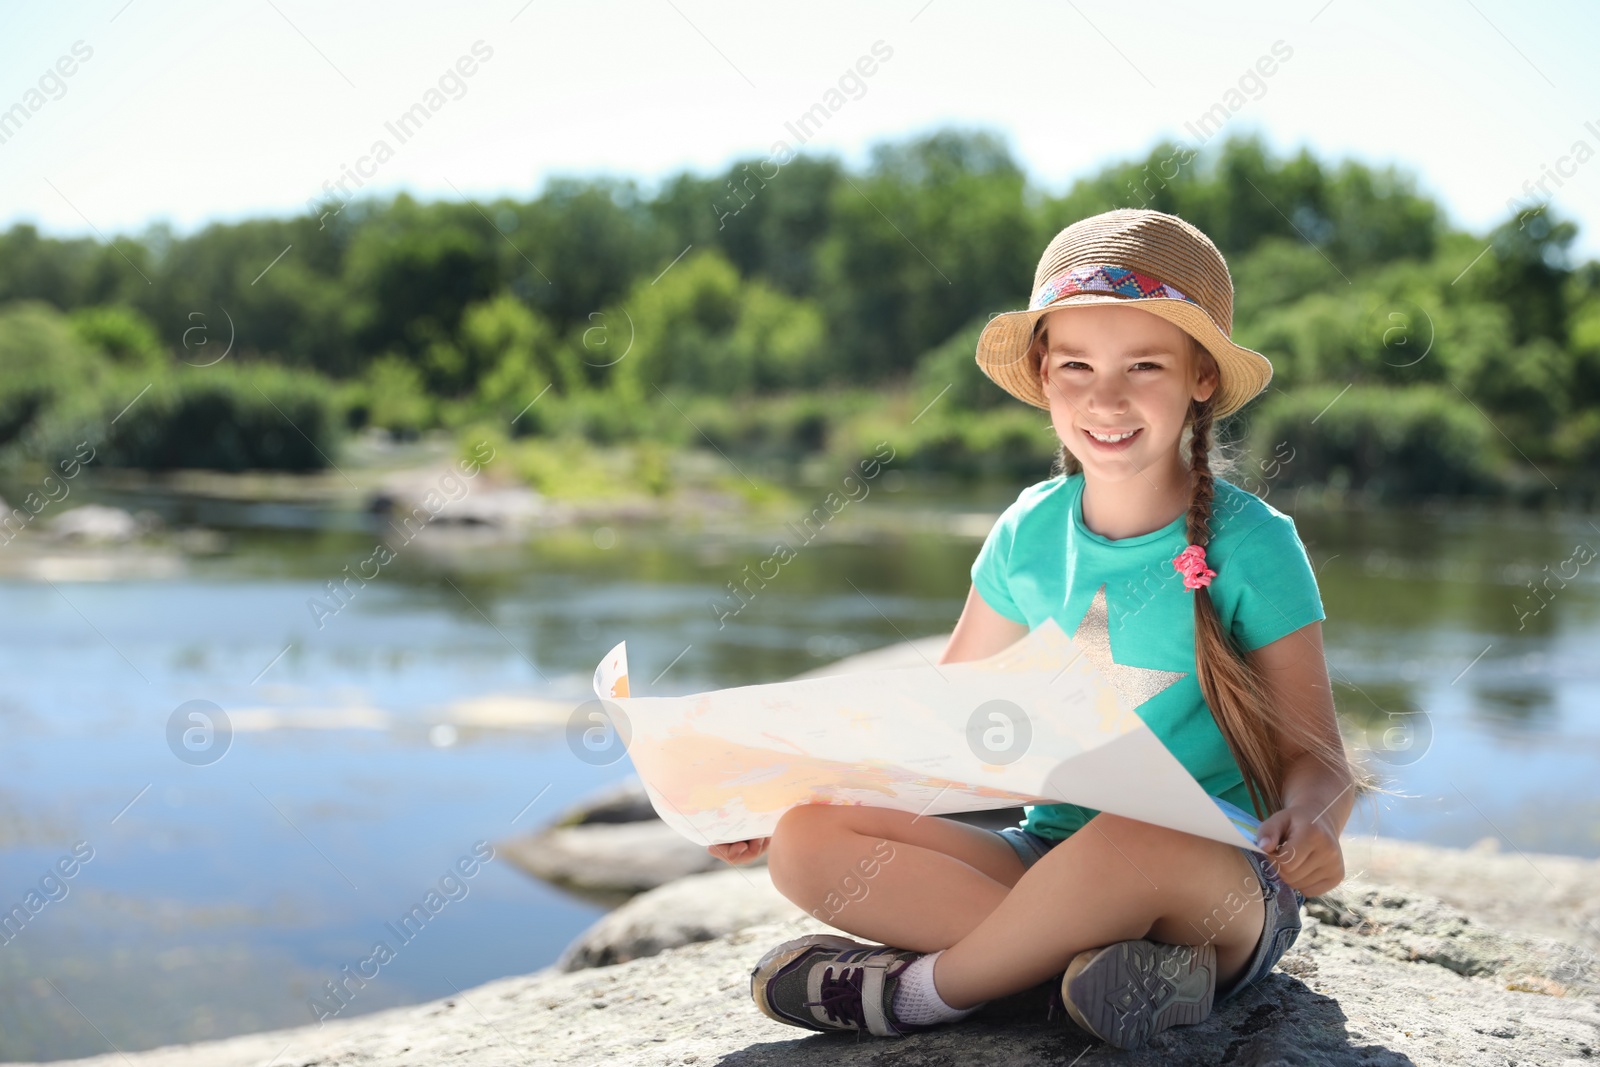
(1107, 395)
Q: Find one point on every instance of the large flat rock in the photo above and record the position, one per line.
(1379, 976)
(609, 859)
(698, 908)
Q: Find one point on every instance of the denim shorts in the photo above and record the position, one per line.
(1282, 903)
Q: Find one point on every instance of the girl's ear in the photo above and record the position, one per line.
(1207, 379)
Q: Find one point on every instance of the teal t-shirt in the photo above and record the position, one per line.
(1040, 561)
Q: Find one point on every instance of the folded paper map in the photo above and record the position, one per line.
(1049, 720)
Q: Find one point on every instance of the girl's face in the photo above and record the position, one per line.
(1111, 370)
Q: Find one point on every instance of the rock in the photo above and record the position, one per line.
(443, 497)
(605, 860)
(1527, 892)
(608, 847)
(96, 524)
(624, 802)
(1344, 994)
(697, 908)
(509, 507)
(1411, 926)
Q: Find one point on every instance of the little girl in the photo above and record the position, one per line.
(1137, 547)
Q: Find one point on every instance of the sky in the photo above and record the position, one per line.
(124, 112)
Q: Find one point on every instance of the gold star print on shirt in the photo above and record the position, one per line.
(1138, 684)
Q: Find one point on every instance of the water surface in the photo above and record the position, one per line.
(223, 897)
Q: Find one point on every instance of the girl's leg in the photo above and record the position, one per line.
(890, 876)
(1116, 879)
(948, 885)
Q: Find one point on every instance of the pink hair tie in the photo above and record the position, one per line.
(1191, 563)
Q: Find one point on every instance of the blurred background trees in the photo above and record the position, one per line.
(796, 308)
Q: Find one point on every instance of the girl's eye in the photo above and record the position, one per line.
(1072, 363)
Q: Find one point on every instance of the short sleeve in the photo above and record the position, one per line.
(1279, 592)
(989, 570)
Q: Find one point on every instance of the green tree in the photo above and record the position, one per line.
(413, 274)
(393, 396)
(515, 354)
(122, 333)
(1526, 270)
(704, 328)
(936, 231)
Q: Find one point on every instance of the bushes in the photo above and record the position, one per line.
(44, 364)
(102, 378)
(391, 394)
(1423, 440)
(1015, 443)
(228, 418)
(953, 366)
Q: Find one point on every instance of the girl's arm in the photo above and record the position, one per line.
(981, 632)
(1317, 799)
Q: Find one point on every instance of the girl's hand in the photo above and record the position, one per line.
(740, 851)
(1304, 848)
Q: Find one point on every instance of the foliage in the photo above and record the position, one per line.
(949, 373)
(1395, 443)
(702, 327)
(122, 333)
(43, 363)
(792, 305)
(231, 417)
(391, 394)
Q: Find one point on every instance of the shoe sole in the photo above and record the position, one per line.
(1123, 996)
(780, 956)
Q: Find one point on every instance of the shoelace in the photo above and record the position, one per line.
(841, 995)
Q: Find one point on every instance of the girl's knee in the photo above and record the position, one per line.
(798, 835)
(802, 820)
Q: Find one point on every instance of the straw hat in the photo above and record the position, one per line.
(1130, 254)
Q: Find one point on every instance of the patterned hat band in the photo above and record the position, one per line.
(1103, 278)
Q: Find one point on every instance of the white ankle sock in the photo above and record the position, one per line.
(917, 1002)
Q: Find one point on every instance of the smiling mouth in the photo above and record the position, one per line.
(1113, 440)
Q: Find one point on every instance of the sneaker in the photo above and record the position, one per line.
(1128, 992)
(826, 982)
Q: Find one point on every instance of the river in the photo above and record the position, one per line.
(212, 896)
